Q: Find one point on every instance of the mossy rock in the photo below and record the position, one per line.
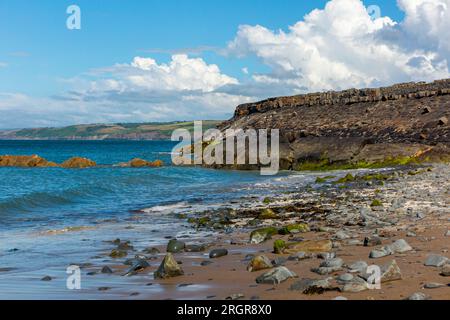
(294, 228)
(263, 234)
(267, 213)
(115, 253)
(348, 178)
(267, 200)
(323, 179)
(278, 246)
(376, 203)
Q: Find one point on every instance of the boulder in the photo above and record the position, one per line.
(175, 246)
(33, 161)
(78, 163)
(276, 276)
(261, 235)
(168, 268)
(418, 296)
(266, 214)
(445, 271)
(390, 272)
(309, 246)
(217, 253)
(140, 163)
(435, 260)
(259, 263)
(294, 228)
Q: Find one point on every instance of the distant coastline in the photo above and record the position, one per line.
(116, 131)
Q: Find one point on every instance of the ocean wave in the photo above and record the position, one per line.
(165, 209)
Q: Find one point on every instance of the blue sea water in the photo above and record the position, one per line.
(39, 206)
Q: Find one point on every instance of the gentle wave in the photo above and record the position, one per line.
(169, 208)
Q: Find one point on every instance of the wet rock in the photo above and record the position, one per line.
(259, 263)
(279, 246)
(78, 163)
(106, 269)
(168, 268)
(390, 272)
(217, 253)
(47, 278)
(138, 266)
(276, 276)
(116, 254)
(205, 263)
(310, 246)
(435, 260)
(235, 296)
(418, 296)
(261, 235)
(433, 285)
(195, 248)
(175, 246)
(294, 228)
(125, 246)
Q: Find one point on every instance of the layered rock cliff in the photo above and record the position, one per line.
(356, 125)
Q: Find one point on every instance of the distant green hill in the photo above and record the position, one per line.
(117, 131)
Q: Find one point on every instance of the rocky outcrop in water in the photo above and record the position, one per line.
(25, 161)
(78, 163)
(354, 126)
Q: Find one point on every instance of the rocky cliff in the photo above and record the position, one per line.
(403, 121)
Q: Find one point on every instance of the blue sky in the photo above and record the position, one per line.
(41, 59)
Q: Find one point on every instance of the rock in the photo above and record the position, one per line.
(447, 234)
(151, 250)
(443, 121)
(356, 285)
(205, 263)
(116, 254)
(47, 278)
(372, 241)
(332, 263)
(261, 235)
(358, 267)
(325, 270)
(124, 246)
(300, 256)
(138, 266)
(326, 255)
(390, 272)
(175, 246)
(435, 260)
(312, 286)
(344, 278)
(279, 246)
(106, 269)
(78, 163)
(140, 163)
(168, 268)
(340, 298)
(33, 161)
(267, 213)
(400, 246)
(195, 248)
(418, 296)
(276, 276)
(341, 235)
(433, 285)
(259, 263)
(235, 296)
(294, 228)
(380, 252)
(217, 253)
(279, 261)
(445, 271)
(309, 246)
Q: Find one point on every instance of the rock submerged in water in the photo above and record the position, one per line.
(168, 268)
(140, 163)
(217, 253)
(78, 163)
(276, 276)
(115, 253)
(259, 263)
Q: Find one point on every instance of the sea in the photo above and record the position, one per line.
(53, 218)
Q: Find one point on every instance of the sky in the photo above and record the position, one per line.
(165, 60)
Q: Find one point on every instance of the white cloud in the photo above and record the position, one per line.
(341, 47)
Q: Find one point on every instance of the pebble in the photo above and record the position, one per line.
(47, 278)
(433, 285)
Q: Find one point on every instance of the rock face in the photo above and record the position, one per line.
(25, 161)
(354, 126)
(78, 163)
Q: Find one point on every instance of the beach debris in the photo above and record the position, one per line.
(259, 262)
(168, 268)
(276, 276)
(217, 253)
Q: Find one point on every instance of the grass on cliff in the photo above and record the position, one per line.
(326, 165)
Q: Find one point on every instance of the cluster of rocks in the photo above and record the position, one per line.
(35, 161)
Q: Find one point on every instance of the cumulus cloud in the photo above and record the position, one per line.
(342, 46)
